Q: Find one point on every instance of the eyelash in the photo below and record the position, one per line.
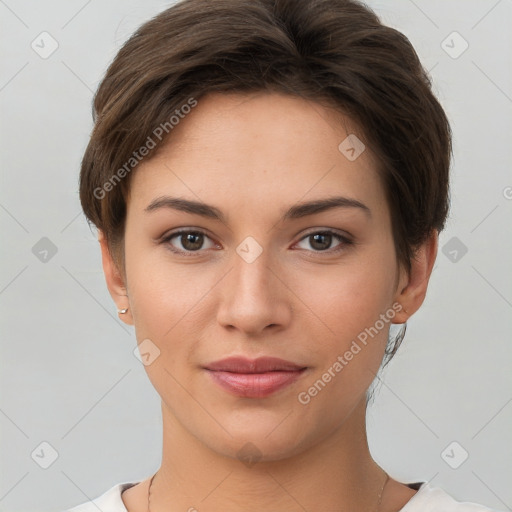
(346, 242)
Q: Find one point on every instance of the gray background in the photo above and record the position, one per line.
(69, 376)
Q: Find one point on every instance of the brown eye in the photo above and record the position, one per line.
(191, 241)
(187, 241)
(321, 241)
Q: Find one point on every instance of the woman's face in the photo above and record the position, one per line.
(256, 281)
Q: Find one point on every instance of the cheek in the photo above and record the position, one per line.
(165, 300)
(349, 299)
(171, 306)
(163, 297)
(353, 309)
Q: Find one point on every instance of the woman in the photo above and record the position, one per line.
(268, 179)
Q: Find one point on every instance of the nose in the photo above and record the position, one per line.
(254, 299)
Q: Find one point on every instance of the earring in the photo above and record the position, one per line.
(122, 311)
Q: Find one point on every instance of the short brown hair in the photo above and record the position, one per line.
(332, 51)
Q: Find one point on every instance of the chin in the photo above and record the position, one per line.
(261, 441)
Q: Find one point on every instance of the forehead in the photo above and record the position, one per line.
(260, 147)
(283, 120)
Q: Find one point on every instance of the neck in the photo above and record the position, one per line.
(336, 474)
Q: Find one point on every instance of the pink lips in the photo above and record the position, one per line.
(255, 378)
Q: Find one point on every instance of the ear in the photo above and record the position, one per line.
(412, 286)
(115, 281)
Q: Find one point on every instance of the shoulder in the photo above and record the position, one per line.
(434, 499)
(109, 501)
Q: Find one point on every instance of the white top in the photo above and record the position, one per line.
(426, 499)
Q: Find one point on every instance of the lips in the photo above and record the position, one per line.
(254, 378)
(260, 365)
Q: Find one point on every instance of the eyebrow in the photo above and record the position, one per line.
(294, 212)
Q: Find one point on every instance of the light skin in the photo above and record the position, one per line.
(253, 157)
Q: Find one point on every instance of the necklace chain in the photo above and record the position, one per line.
(376, 510)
